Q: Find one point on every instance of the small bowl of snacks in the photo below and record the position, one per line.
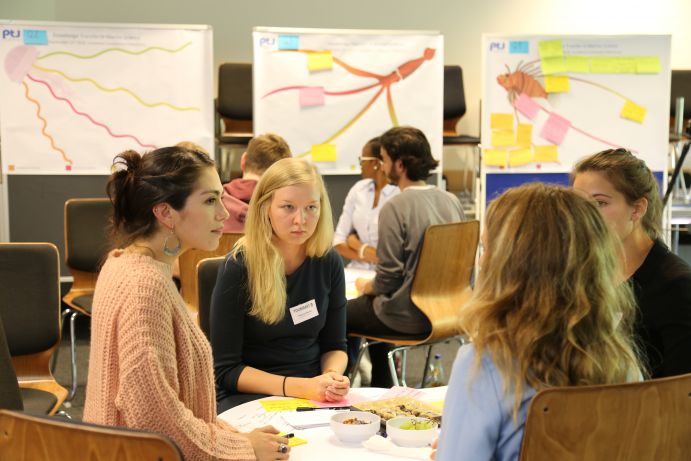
(355, 426)
(406, 431)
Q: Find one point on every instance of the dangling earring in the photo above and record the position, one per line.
(171, 251)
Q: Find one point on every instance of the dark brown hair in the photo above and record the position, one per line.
(630, 176)
(264, 150)
(165, 175)
(410, 146)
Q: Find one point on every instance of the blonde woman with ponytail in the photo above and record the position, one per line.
(550, 309)
(278, 309)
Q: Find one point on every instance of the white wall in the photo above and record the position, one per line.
(461, 21)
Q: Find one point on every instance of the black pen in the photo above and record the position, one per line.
(321, 408)
(289, 436)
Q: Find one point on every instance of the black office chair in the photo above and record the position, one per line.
(30, 311)
(207, 271)
(454, 107)
(86, 247)
(234, 103)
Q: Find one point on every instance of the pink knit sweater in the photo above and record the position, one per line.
(150, 366)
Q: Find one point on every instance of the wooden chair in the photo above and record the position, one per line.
(649, 420)
(30, 311)
(207, 273)
(440, 288)
(188, 269)
(86, 247)
(29, 438)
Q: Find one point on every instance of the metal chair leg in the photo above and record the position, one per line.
(54, 362)
(392, 367)
(424, 372)
(73, 355)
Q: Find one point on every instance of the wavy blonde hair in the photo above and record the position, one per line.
(265, 266)
(551, 306)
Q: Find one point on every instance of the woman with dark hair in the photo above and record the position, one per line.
(627, 195)
(356, 234)
(150, 366)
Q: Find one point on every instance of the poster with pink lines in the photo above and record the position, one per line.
(549, 101)
(329, 91)
(72, 96)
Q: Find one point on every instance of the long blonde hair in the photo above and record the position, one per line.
(265, 266)
(551, 307)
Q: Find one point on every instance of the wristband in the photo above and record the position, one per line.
(284, 386)
(361, 251)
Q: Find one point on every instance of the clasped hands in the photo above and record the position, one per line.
(329, 387)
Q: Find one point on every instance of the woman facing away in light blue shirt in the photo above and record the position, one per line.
(545, 313)
(356, 233)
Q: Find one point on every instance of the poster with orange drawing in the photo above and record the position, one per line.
(327, 92)
(74, 95)
(548, 101)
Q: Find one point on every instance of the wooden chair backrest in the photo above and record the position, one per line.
(442, 279)
(28, 438)
(188, 268)
(649, 420)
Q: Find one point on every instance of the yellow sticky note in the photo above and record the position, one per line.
(321, 60)
(557, 84)
(633, 111)
(550, 49)
(294, 441)
(503, 138)
(546, 153)
(494, 157)
(501, 121)
(648, 65)
(553, 65)
(612, 65)
(285, 404)
(520, 157)
(579, 64)
(324, 152)
(525, 134)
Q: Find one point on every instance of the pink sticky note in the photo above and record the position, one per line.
(350, 400)
(555, 128)
(527, 106)
(312, 96)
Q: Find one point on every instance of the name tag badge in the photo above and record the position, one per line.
(304, 311)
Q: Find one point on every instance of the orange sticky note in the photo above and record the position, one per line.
(633, 111)
(546, 153)
(503, 138)
(321, 60)
(324, 153)
(525, 134)
(557, 84)
(494, 157)
(520, 157)
(501, 121)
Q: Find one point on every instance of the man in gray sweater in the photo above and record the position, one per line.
(385, 307)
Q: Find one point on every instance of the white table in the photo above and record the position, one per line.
(322, 444)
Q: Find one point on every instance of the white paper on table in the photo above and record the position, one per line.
(379, 444)
(307, 419)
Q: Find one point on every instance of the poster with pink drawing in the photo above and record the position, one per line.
(550, 100)
(74, 95)
(327, 92)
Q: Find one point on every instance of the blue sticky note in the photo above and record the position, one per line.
(288, 42)
(35, 37)
(518, 47)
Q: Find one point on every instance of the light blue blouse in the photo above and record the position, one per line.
(359, 216)
(477, 423)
